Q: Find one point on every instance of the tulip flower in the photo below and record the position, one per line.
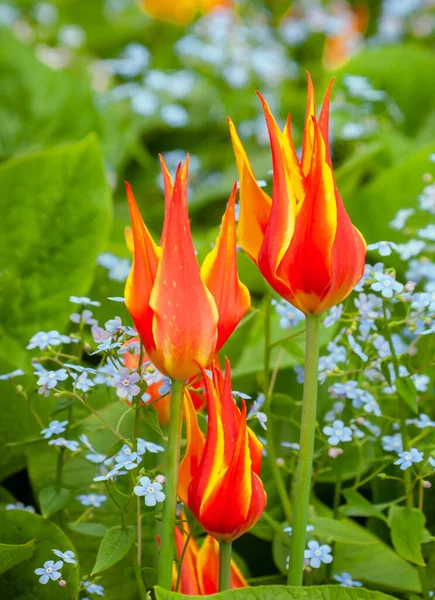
(219, 474)
(200, 566)
(302, 238)
(162, 403)
(183, 315)
(180, 12)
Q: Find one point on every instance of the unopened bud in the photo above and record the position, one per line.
(160, 479)
(334, 452)
(280, 461)
(62, 583)
(427, 485)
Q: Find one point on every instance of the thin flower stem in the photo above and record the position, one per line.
(403, 429)
(302, 487)
(224, 566)
(139, 580)
(169, 506)
(180, 562)
(270, 438)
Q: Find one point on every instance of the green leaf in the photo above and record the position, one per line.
(281, 592)
(13, 554)
(359, 506)
(407, 391)
(92, 529)
(56, 214)
(151, 418)
(114, 546)
(20, 581)
(52, 500)
(55, 106)
(407, 527)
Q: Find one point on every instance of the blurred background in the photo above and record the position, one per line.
(93, 90)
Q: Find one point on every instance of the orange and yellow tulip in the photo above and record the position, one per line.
(219, 474)
(183, 315)
(200, 567)
(180, 12)
(302, 238)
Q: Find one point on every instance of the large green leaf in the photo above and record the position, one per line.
(20, 581)
(280, 592)
(14, 554)
(56, 214)
(407, 527)
(40, 106)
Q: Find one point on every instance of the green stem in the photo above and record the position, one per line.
(423, 582)
(302, 487)
(270, 438)
(170, 504)
(403, 429)
(224, 566)
(139, 579)
(60, 456)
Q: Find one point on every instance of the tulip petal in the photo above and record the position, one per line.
(255, 204)
(139, 285)
(168, 188)
(194, 448)
(189, 583)
(208, 566)
(129, 240)
(219, 273)
(307, 264)
(324, 121)
(281, 223)
(295, 177)
(308, 137)
(185, 313)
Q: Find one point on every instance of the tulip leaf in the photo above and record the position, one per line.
(20, 581)
(114, 546)
(14, 554)
(56, 213)
(407, 527)
(280, 592)
(93, 529)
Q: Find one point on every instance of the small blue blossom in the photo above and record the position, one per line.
(400, 218)
(174, 115)
(125, 382)
(144, 446)
(346, 580)
(43, 340)
(386, 284)
(369, 306)
(384, 248)
(63, 443)
(392, 443)
(12, 375)
(356, 348)
(51, 570)
(408, 457)
(300, 373)
(427, 199)
(382, 346)
(241, 395)
(85, 318)
(166, 387)
(410, 249)
(337, 433)
(82, 381)
(91, 499)
(20, 506)
(316, 554)
(428, 232)
(114, 325)
(333, 315)
(289, 315)
(106, 345)
(421, 422)
(117, 470)
(344, 390)
(84, 301)
(93, 588)
(151, 491)
(431, 460)
(421, 382)
(54, 428)
(49, 380)
(118, 269)
(68, 556)
(93, 456)
(125, 455)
